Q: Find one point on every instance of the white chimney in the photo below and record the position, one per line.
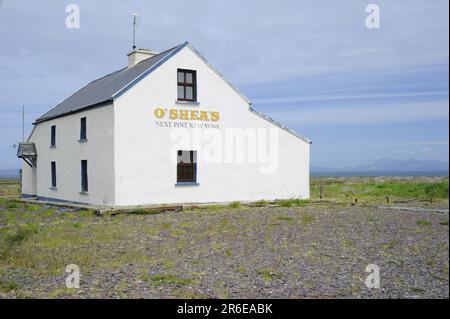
(138, 55)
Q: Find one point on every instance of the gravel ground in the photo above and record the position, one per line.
(313, 251)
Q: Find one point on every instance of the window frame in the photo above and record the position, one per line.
(53, 174)
(191, 166)
(53, 136)
(83, 129)
(84, 176)
(184, 84)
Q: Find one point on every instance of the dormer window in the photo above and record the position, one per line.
(187, 85)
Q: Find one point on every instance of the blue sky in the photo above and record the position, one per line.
(359, 94)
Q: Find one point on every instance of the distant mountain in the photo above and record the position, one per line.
(9, 173)
(390, 165)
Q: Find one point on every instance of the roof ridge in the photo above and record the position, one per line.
(160, 53)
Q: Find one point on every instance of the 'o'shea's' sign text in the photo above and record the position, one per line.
(186, 115)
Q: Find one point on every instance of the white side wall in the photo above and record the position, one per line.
(28, 180)
(69, 152)
(144, 168)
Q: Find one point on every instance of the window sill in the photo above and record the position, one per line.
(53, 188)
(187, 184)
(84, 140)
(84, 193)
(193, 103)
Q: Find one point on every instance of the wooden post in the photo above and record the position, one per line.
(387, 199)
(321, 188)
(356, 200)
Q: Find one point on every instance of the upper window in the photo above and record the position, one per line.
(83, 132)
(187, 85)
(53, 136)
(186, 167)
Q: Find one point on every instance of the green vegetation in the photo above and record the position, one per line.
(290, 202)
(306, 219)
(368, 189)
(9, 187)
(433, 191)
(8, 286)
(422, 222)
(167, 279)
(286, 218)
(444, 223)
(267, 274)
(18, 235)
(235, 205)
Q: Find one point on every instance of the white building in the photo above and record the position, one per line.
(126, 139)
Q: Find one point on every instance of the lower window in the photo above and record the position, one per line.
(53, 170)
(84, 176)
(186, 167)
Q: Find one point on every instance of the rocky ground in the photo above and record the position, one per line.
(308, 251)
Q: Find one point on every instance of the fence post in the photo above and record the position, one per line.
(321, 188)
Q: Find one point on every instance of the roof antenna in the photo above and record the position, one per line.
(134, 29)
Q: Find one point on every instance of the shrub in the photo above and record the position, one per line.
(234, 205)
(21, 233)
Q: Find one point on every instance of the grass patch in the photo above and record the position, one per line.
(261, 202)
(370, 189)
(290, 202)
(85, 213)
(20, 234)
(76, 225)
(307, 219)
(286, 218)
(444, 223)
(423, 222)
(7, 286)
(167, 279)
(267, 274)
(32, 208)
(215, 207)
(11, 205)
(390, 244)
(234, 205)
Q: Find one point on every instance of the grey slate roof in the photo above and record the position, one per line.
(104, 89)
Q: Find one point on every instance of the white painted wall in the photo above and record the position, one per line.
(144, 170)
(28, 180)
(69, 152)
